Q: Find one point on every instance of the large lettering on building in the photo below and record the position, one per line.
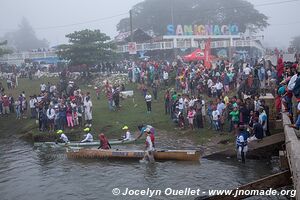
(202, 29)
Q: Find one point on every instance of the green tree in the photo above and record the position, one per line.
(24, 38)
(296, 42)
(87, 47)
(4, 50)
(147, 13)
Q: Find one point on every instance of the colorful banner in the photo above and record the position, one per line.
(202, 29)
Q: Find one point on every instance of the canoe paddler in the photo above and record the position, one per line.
(63, 138)
(104, 144)
(149, 147)
(88, 136)
(127, 135)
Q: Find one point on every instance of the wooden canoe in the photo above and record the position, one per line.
(82, 144)
(160, 155)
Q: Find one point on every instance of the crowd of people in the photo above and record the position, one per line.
(225, 96)
(234, 93)
(54, 108)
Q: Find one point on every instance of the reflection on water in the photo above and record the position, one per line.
(30, 174)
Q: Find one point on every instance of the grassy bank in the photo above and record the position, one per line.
(132, 113)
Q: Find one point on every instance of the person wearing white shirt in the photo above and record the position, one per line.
(88, 110)
(51, 118)
(127, 135)
(149, 149)
(43, 87)
(148, 99)
(180, 103)
(88, 137)
(216, 117)
(52, 89)
(191, 103)
(220, 107)
(32, 106)
(166, 78)
(219, 87)
(63, 138)
(247, 70)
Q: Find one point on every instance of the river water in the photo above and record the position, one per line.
(27, 173)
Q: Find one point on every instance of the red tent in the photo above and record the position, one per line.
(196, 55)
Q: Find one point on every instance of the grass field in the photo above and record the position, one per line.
(132, 113)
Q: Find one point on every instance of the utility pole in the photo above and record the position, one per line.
(131, 27)
(172, 12)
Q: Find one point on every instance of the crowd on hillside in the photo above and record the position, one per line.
(222, 97)
(55, 107)
(234, 91)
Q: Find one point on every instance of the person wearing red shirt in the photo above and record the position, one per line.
(5, 101)
(280, 68)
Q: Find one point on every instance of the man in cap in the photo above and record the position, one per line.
(149, 147)
(63, 138)
(88, 136)
(142, 128)
(127, 135)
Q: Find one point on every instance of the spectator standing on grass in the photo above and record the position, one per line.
(166, 78)
(154, 90)
(51, 118)
(148, 99)
(69, 116)
(11, 103)
(18, 109)
(216, 118)
(167, 102)
(191, 116)
(32, 106)
(5, 104)
(235, 119)
(88, 105)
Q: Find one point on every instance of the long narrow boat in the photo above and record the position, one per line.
(83, 144)
(160, 155)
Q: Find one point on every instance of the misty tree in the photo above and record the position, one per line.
(148, 13)
(87, 47)
(4, 50)
(24, 38)
(296, 43)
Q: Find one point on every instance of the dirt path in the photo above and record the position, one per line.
(169, 140)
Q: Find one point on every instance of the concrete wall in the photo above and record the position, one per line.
(293, 152)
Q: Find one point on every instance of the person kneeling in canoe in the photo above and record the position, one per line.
(149, 156)
(63, 138)
(127, 135)
(104, 144)
(88, 136)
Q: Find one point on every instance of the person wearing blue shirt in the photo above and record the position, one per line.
(142, 128)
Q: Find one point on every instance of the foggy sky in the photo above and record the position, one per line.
(44, 14)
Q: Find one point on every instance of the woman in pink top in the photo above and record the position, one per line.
(191, 115)
(69, 116)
